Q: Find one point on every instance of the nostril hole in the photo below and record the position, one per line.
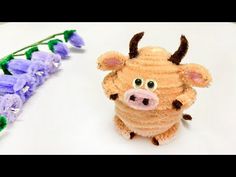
(132, 97)
(145, 101)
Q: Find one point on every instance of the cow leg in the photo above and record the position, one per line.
(164, 137)
(123, 129)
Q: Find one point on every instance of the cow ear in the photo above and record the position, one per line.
(111, 61)
(195, 75)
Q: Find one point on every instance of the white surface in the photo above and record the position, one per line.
(70, 114)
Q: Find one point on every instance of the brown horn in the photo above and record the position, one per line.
(180, 53)
(133, 45)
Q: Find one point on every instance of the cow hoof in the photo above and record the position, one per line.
(155, 141)
(132, 135)
(187, 117)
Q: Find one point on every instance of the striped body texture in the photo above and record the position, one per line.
(151, 64)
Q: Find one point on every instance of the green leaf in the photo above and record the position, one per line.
(6, 72)
(3, 122)
(67, 34)
(9, 57)
(29, 52)
(53, 42)
(3, 63)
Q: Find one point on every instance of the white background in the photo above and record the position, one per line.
(70, 114)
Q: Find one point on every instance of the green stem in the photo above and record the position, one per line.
(20, 54)
(37, 43)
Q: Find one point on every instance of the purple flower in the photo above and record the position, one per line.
(24, 85)
(61, 49)
(37, 69)
(29, 87)
(76, 40)
(10, 106)
(51, 60)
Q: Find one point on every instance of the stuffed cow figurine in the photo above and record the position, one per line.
(151, 89)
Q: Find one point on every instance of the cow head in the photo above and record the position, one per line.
(145, 76)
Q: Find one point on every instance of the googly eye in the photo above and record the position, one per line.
(151, 85)
(138, 82)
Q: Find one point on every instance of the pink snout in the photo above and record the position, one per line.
(141, 99)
